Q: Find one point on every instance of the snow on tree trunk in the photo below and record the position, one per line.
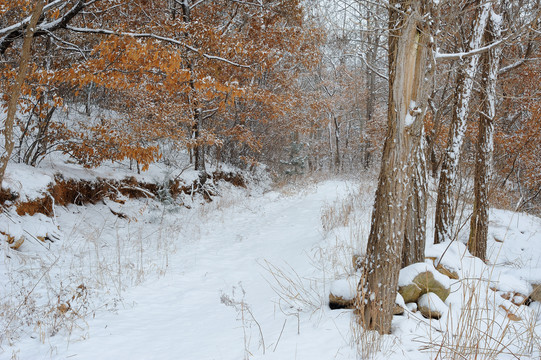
(16, 89)
(477, 243)
(408, 58)
(415, 228)
(468, 69)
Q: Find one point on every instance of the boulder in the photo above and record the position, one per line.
(431, 306)
(428, 283)
(410, 292)
(422, 278)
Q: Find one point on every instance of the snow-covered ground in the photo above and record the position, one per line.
(246, 276)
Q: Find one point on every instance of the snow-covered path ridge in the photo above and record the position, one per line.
(184, 314)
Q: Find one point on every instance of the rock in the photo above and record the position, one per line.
(343, 292)
(412, 306)
(431, 306)
(410, 292)
(398, 310)
(450, 274)
(536, 293)
(399, 306)
(517, 299)
(421, 278)
(338, 302)
(428, 283)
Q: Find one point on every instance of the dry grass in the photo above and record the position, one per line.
(481, 330)
(296, 293)
(57, 291)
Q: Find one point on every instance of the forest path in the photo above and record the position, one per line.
(182, 316)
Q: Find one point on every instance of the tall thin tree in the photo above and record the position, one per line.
(477, 243)
(449, 168)
(17, 86)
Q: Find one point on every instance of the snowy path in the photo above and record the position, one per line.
(181, 316)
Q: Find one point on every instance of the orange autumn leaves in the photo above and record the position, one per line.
(152, 85)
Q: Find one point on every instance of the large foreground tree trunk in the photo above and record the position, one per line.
(477, 243)
(16, 89)
(415, 227)
(408, 57)
(449, 168)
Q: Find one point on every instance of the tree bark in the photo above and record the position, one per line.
(449, 168)
(408, 58)
(415, 228)
(477, 243)
(198, 149)
(337, 162)
(17, 86)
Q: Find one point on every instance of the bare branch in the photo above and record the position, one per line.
(383, 76)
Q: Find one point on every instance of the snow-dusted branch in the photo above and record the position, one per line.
(15, 31)
(383, 76)
(23, 23)
(512, 36)
(462, 55)
(156, 37)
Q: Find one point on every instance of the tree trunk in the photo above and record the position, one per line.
(198, 150)
(477, 243)
(197, 153)
(449, 168)
(407, 104)
(415, 228)
(373, 46)
(337, 162)
(16, 89)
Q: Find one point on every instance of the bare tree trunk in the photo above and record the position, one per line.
(373, 46)
(449, 168)
(197, 153)
(198, 150)
(337, 162)
(17, 86)
(477, 243)
(408, 49)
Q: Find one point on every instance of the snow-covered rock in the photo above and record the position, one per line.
(431, 306)
(343, 292)
(421, 278)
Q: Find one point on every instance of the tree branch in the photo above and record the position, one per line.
(462, 55)
(15, 31)
(157, 37)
